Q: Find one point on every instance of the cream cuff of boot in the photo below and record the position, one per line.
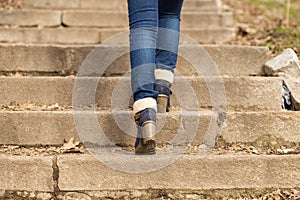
(164, 75)
(144, 103)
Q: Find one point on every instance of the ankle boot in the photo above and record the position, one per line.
(146, 124)
(163, 98)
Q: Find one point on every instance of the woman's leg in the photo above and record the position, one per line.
(167, 49)
(143, 21)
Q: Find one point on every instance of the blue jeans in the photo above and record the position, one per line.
(154, 38)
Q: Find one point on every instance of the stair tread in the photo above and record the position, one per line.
(98, 35)
(66, 59)
(53, 127)
(108, 4)
(190, 93)
(222, 172)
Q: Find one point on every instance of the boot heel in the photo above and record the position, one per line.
(162, 103)
(147, 145)
(146, 124)
(148, 130)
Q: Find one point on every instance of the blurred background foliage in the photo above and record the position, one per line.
(271, 23)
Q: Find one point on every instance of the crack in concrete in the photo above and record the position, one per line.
(55, 176)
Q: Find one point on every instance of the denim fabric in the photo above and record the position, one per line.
(163, 87)
(154, 38)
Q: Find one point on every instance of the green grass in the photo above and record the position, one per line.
(280, 8)
(282, 38)
(282, 35)
(268, 4)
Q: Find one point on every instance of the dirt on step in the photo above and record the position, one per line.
(72, 146)
(160, 194)
(10, 4)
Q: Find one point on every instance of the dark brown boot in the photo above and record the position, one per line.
(146, 122)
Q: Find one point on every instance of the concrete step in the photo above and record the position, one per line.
(230, 60)
(77, 4)
(24, 173)
(189, 93)
(231, 175)
(175, 128)
(51, 35)
(46, 18)
(203, 5)
(223, 172)
(211, 35)
(104, 19)
(80, 18)
(95, 35)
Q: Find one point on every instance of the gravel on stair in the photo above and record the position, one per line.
(34, 107)
(10, 4)
(76, 147)
(269, 194)
(15, 150)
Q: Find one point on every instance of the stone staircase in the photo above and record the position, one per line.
(49, 62)
(91, 22)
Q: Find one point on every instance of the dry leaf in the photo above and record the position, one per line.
(71, 146)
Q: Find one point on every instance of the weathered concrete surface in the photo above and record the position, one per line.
(212, 35)
(203, 5)
(206, 19)
(77, 4)
(52, 128)
(235, 60)
(30, 17)
(79, 18)
(50, 4)
(230, 60)
(188, 172)
(50, 35)
(236, 94)
(28, 58)
(95, 36)
(26, 173)
(32, 128)
(286, 63)
(250, 126)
